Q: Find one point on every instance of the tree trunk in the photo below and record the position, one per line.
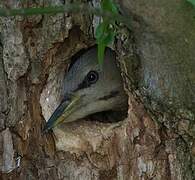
(156, 57)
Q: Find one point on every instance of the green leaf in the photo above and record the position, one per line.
(192, 2)
(100, 30)
(104, 32)
(104, 36)
(101, 50)
(109, 5)
(105, 40)
(108, 38)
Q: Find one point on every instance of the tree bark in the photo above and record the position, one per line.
(156, 57)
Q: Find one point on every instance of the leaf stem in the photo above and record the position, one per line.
(70, 8)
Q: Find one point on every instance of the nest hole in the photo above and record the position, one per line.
(78, 135)
(107, 116)
(103, 118)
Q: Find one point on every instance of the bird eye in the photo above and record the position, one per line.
(92, 77)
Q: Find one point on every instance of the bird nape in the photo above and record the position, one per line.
(89, 89)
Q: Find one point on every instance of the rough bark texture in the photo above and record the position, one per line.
(155, 141)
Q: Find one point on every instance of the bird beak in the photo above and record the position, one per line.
(68, 105)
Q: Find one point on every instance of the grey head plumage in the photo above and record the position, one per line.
(88, 89)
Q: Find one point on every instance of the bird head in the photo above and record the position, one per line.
(89, 88)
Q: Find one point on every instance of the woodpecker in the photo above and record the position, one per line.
(89, 88)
